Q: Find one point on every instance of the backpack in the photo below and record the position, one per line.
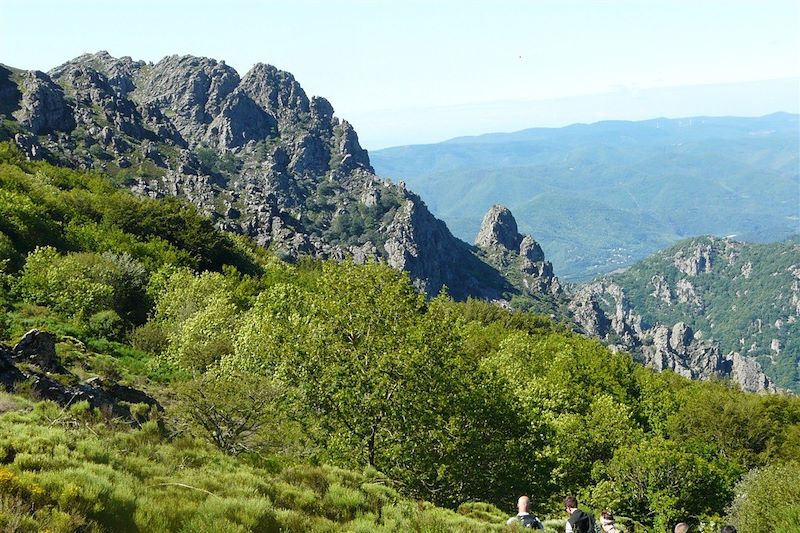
(594, 527)
(530, 522)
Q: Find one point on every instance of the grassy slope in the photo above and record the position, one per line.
(71, 469)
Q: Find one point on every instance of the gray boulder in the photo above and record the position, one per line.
(38, 348)
(43, 107)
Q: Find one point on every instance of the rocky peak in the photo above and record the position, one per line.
(253, 153)
(278, 93)
(696, 260)
(502, 245)
(43, 108)
(499, 230)
(192, 90)
(120, 72)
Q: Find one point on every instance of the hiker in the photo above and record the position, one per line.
(524, 518)
(607, 522)
(578, 522)
(683, 527)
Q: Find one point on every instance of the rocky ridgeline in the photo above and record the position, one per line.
(253, 152)
(703, 282)
(262, 159)
(660, 347)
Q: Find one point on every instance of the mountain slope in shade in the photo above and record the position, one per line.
(654, 182)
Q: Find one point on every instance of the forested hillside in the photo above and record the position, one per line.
(603, 196)
(744, 295)
(324, 396)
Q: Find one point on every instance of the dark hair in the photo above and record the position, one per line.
(605, 515)
(571, 501)
(728, 529)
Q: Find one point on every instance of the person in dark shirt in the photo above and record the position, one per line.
(523, 517)
(578, 521)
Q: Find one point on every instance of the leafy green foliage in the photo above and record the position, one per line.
(271, 373)
(768, 499)
(43, 205)
(235, 411)
(217, 165)
(84, 284)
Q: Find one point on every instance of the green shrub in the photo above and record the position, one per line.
(106, 324)
(343, 503)
(768, 499)
(149, 338)
(485, 512)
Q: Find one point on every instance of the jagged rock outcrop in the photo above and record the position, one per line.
(415, 235)
(678, 349)
(37, 348)
(661, 289)
(240, 121)
(588, 315)
(660, 347)
(499, 231)
(697, 260)
(685, 293)
(748, 374)
(43, 108)
(516, 255)
(255, 154)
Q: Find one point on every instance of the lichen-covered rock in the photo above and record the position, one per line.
(43, 107)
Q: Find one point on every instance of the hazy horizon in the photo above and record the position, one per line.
(419, 72)
(731, 100)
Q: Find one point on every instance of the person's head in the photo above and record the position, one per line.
(570, 504)
(522, 504)
(683, 527)
(728, 529)
(606, 520)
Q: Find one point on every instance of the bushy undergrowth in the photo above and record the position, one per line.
(461, 404)
(59, 476)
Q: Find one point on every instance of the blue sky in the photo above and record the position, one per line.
(419, 71)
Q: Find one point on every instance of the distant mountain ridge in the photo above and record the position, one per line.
(651, 184)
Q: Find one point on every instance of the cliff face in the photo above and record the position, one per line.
(253, 152)
(705, 307)
(602, 310)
